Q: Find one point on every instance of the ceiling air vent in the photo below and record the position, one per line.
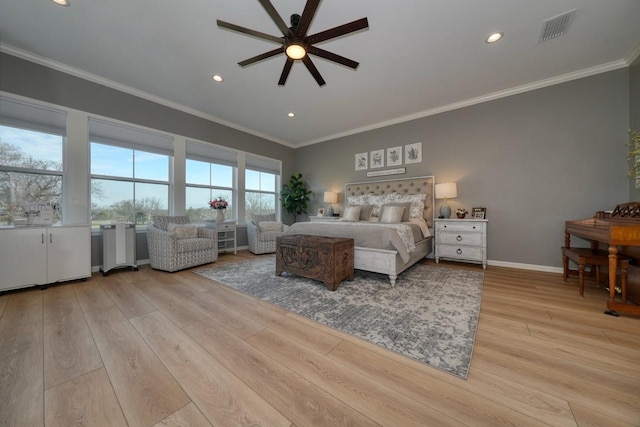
(556, 26)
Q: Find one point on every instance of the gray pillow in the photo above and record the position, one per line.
(365, 211)
(405, 213)
(352, 214)
(392, 214)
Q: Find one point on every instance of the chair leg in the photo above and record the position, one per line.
(623, 280)
(581, 278)
(597, 275)
(565, 267)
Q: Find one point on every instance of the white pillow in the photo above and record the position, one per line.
(352, 214)
(270, 226)
(392, 214)
(183, 231)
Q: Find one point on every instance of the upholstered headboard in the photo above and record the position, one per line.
(421, 185)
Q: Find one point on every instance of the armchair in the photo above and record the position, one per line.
(175, 244)
(262, 233)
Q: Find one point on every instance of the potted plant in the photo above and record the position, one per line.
(294, 196)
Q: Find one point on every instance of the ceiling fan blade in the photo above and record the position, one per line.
(275, 16)
(285, 72)
(313, 70)
(333, 57)
(261, 56)
(307, 15)
(248, 31)
(338, 31)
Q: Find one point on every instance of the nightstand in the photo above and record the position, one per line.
(462, 240)
(323, 218)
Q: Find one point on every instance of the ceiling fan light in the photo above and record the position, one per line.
(65, 3)
(296, 51)
(494, 37)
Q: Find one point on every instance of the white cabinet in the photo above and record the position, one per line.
(462, 240)
(41, 255)
(226, 237)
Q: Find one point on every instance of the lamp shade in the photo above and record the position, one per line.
(446, 190)
(330, 197)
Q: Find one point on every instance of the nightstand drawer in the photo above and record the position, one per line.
(470, 239)
(462, 252)
(226, 227)
(462, 226)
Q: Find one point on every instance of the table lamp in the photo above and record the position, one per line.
(446, 190)
(330, 197)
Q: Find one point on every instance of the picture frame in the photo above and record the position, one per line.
(376, 159)
(321, 212)
(413, 153)
(394, 156)
(479, 213)
(362, 161)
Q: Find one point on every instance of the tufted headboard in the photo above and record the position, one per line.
(421, 185)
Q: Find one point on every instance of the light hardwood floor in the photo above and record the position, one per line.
(149, 348)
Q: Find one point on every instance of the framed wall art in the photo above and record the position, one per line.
(376, 159)
(394, 156)
(362, 161)
(413, 153)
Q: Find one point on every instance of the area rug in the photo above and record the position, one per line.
(431, 315)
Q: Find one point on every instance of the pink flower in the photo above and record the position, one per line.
(218, 203)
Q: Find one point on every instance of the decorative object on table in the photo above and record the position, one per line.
(461, 213)
(321, 212)
(394, 156)
(413, 153)
(479, 213)
(362, 161)
(330, 197)
(377, 159)
(446, 190)
(408, 319)
(220, 205)
(294, 196)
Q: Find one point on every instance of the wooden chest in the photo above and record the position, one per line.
(327, 259)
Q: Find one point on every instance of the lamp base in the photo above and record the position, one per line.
(329, 211)
(445, 211)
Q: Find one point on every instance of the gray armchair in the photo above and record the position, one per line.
(175, 244)
(262, 233)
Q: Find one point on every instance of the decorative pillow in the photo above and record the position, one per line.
(183, 231)
(365, 211)
(362, 199)
(377, 200)
(405, 214)
(416, 200)
(270, 226)
(392, 215)
(257, 219)
(352, 214)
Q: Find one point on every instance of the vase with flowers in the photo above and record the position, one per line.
(461, 213)
(220, 205)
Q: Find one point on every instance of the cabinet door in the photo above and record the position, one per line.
(23, 257)
(69, 253)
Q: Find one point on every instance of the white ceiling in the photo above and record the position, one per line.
(417, 58)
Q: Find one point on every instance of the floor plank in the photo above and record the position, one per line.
(84, 401)
(189, 416)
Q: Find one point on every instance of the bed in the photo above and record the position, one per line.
(379, 251)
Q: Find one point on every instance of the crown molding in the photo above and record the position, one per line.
(46, 62)
(632, 55)
(563, 78)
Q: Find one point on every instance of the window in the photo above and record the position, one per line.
(127, 185)
(206, 181)
(129, 173)
(260, 193)
(31, 153)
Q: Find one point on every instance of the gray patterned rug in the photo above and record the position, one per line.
(431, 315)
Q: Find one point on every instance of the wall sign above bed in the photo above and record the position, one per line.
(396, 171)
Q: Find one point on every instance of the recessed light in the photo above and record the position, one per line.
(64, 3)
(291, 114)
(217, 78)
(494, 37)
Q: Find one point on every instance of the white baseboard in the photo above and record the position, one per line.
(521, 266)
(96, 268)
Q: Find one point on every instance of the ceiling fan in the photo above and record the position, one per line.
(296, 44)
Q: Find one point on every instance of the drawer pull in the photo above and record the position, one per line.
(445, 226)
(459, 251)
(474, 227)
(459, 238)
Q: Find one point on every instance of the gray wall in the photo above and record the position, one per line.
(533, 160)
